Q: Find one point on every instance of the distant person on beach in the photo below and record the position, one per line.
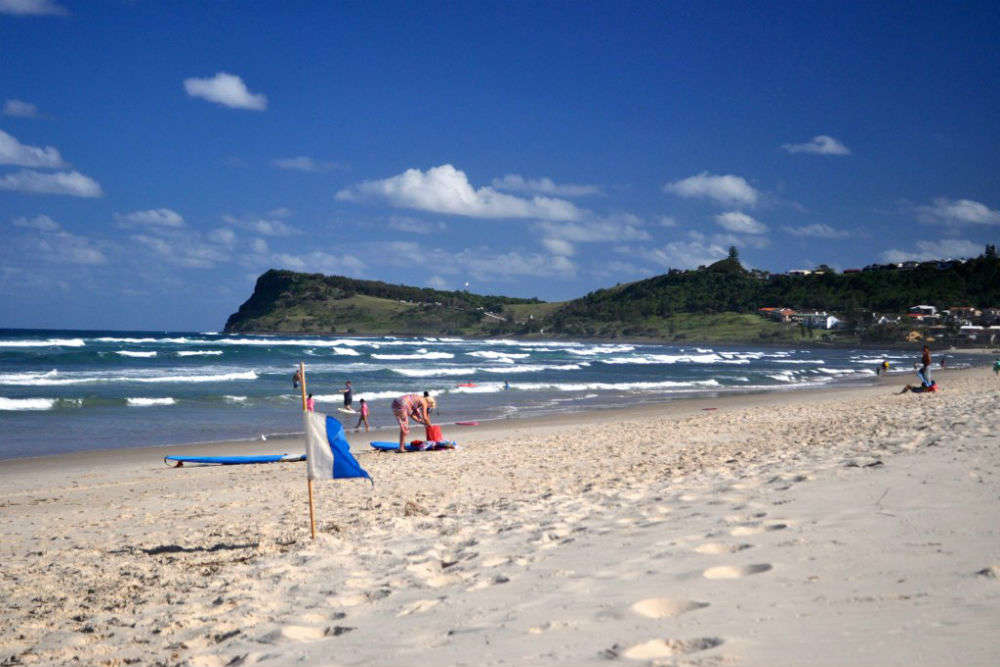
(406, 406)
(882, 368)
(996, 367)
(311, 404)
(942, 361)
(348, 396)
(506, 385)
(920, 388)
(924, 372)
(364, 415)
(297, 379)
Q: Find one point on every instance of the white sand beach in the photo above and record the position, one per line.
(853, 526)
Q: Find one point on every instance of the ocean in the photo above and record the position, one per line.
(64, 391)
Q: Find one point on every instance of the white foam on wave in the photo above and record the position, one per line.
(368, 396)
(132, 353)
(49, 342)
(417, 355)
(147, 402)
(535, 368)
(504, 357)
(55, 378)
(799, 361)
(26, 403)
(142, 341)
(235, 399)
(199, 353)
(601, 349)
(434, 372)
(532, 344)
(493, 387)
(674, 359)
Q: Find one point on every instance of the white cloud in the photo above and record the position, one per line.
(318, 261)
(226, 89)
(414, 226)
(753, 241)
(683, 254)
(928, 250)
(14, 152)
(559, 247)
(958, 211)
(545, 186)
(437, 282)
(32, 8)
(741, 223)
(727, 189)
(280, 212)
(445, 189)
(42, 223)
(819, 145)
(667, 221)
(222, 236)
(71, 183)
(184, 249)
(156, 217)
(20, 109)
(818, 231)
(621, 227)
(260, 246)
(304, 163)
(261, 226)
(480, 263)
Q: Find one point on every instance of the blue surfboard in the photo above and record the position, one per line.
(424, 447)
(178, 461)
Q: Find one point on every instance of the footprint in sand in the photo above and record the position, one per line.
(664, 648)
(754, 530)
(661, 607)
(735, 571)
(721, 548)
(417, 607)
(295, 633)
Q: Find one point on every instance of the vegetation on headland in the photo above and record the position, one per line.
(717, 303)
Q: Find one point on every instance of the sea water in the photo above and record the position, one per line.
(63, 391)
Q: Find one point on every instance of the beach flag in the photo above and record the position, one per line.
(328, 454)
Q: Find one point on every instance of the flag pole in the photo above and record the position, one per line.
(312, 512)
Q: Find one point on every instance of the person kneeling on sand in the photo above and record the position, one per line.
(406, 406)
(920, 388)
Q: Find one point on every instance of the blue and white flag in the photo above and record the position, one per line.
(328, 454)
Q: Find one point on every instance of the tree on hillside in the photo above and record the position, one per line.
(734, 254)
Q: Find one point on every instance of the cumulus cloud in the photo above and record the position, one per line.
(545, 186)
(261, 226)
(185, 249)
(727, 189)
(156, 217)
(818, 231)
(20, 109)
(222, 236)
(621, 227)
(958, 211)
(318, 261)
(445, 189)
(52, 244)
(71, 183)
(304, 163)
(14, 152)
(667, 221)
(559, 247)
(226, 89)
(480, 263)
(32, 8)
(41, 223)
(741, 223)
(684, 254)
(928, 250)
(414, 226)
(821, 144)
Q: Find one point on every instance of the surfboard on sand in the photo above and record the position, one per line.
(467, 423)
(416, 446)
(348, 411)
(178, 461)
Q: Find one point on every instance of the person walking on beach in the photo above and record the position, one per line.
(311, 404)
(406, 406)
(924, 372)
(348, 396)
(364, 416)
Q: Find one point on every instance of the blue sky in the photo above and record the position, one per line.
(155, 158)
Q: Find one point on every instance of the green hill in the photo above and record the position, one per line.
(717, 303)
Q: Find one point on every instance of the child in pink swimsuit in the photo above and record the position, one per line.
(364, 416)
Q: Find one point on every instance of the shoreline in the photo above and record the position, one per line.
(678, 406)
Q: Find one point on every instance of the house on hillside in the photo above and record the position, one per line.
(922, 310)
(800, 272)
(777, 314)
(822, 320)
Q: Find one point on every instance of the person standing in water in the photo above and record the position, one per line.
(348, 396)
(311, 404)
(364, 416)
